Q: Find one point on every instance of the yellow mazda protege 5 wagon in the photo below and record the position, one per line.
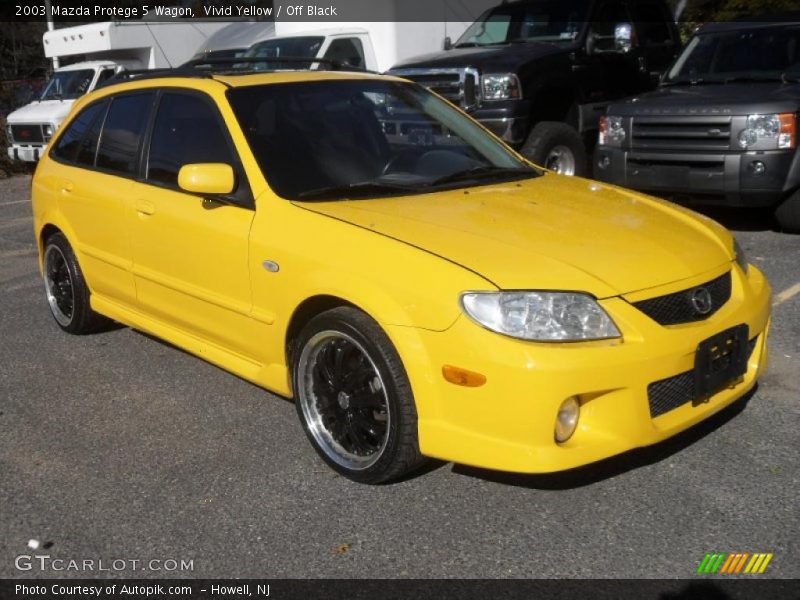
(358, 244)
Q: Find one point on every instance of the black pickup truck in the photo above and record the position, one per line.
(540, 73)
(722, 126)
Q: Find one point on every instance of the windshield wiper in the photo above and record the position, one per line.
(483, 172)
(352, 190)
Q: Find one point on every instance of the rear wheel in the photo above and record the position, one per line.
(66, 289)
(788, 213)
(354, 399)
(556, 146)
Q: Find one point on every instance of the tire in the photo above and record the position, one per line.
(354, 399)
(788, 213)
(556, 146)
(66, 290)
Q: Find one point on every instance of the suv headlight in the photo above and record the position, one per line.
(610, 131)
(501, 87)
(540, 316)
(769, 132)
(741, 257)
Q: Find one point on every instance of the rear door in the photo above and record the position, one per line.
(95, 187)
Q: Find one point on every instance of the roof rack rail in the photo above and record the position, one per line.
(238, 63)
(208, 67)
(128, 74)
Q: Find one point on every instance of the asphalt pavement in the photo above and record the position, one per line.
(117, 447)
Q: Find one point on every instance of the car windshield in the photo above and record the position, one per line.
(719, 57)
(546, 21)
(337, 139)
(294, 47)
(68, 85)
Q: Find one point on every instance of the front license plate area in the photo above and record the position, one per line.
(719, 361)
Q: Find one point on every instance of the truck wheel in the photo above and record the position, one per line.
(788, 213)
(556, 146)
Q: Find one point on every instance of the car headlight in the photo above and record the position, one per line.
(769, 132)
(540, 316)
(9, 133)
(501, 87)
(741, 257)
(610, 131)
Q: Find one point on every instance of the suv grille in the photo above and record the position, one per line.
(670, 393)
(681, 133)
(459, 86)
(681, 307)
(27, 134)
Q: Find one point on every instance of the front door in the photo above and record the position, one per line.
(190, 254)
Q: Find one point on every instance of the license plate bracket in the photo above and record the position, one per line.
(719, 361)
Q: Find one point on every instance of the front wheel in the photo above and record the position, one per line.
(556, 146)
(354, 398)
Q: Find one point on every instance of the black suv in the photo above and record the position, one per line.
(722, 126)
(539, 73)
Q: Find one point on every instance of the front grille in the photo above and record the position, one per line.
(681, 133)
(26, 134)
(459, 86)
(676, 308)
(670, 393)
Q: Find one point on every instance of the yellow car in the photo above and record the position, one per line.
(357, 243)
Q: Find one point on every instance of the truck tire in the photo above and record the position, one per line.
(556, 146)
(788, 213)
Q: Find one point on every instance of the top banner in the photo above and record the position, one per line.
(318, 11)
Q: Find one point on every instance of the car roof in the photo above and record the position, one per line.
(748, 23)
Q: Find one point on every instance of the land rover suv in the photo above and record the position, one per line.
(722, 126)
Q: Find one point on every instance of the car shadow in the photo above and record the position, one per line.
(615, 465)
(741, 219)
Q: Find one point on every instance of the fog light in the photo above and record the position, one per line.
(757, 167)
(567, 419)
(604, 162)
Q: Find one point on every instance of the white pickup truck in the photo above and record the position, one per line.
(108, 47)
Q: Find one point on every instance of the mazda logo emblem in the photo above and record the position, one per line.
(701, 300)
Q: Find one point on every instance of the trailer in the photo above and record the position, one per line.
(103, 49)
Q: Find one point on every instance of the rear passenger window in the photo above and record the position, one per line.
(122, 132)
(187, 130)
(88, 145)
(67, 146)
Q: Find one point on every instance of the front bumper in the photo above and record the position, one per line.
(507, 119)
(730, 179)
(30, 153)
(508, 423)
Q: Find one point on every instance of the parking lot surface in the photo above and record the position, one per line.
(116, 446)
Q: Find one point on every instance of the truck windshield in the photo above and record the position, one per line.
(294, 47)
(756, 54)
(336, 139)
(546, 21)
(68, 85)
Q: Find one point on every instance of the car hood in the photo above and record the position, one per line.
(721, 99)
(551, 232)
(506, 57)
(49, 111)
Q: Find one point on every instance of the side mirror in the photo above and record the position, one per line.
(448, 43)
(623, 37)
(207, 178)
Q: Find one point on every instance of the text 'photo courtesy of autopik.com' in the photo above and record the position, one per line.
(399, 299)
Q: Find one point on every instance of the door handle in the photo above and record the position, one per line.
(66, 186)
(145, 207)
